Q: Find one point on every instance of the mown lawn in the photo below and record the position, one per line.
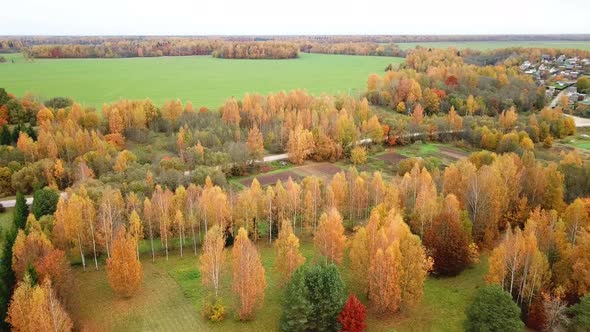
(172, 297)
(204, 80)
(488, 45)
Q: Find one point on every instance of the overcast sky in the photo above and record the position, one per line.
(197, 17)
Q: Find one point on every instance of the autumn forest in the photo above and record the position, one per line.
(451, 193)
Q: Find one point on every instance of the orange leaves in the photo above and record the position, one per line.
(35, 308)
(329, 237)
(255, 143)
(124, 269)
(395, 259)
(249, 281)
(230, 112)
(300, 145)
(288, 257)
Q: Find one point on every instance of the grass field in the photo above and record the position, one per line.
(204, 80)
(487, 45)
(172, 296)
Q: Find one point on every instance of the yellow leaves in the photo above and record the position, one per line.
(230, 112)
(571, 158)
(300, 145)
(122, 160)
(329, 237)
(581, 263)
(358, 155)
(255, 143)
(124, 269)
(384, 279)
(116, 124)
(249, 281)
(45, 114)
(418, 114)
(135, 226)
(454, 119)
(508, 118)
(172, 110)
(373, 82)
(213, 258)
(288, 257)
(36, 308)
(395, 259)
(214, 205)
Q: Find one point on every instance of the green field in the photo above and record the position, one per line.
(204, 80)
(172, 295)
(488, 45)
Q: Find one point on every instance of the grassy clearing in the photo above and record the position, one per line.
(488, 45)
(203, 80)
(172, 297)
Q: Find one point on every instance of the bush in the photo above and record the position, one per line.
(214, 310)
(59, 102)
(492, 309)
(548, 142)
(358, 155)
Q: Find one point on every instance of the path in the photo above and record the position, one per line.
(8, 203)
(580, 122)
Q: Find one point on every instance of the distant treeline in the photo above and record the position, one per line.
(255, 47)
(354, 48)
(256, 50)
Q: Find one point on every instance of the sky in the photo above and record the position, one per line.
(276, 17)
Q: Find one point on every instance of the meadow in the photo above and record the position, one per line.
(172, 296)
(488, 45)
(204, 80)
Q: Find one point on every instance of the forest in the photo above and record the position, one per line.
(136, 184)
(241, 47)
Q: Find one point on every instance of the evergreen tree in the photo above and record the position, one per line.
(313, 299)
(3, 97)
(5, 138)
(15, 134)
(21, 211)
(326, 292)
(296, 306)
(7, 277)
(44, 202)
(31, 132)
(493, 310)
(580, 315)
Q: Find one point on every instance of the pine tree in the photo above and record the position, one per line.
(21, 211)
(296, 305)
(492, 309)
(44, 202)
(7, 277)
(326, 292)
